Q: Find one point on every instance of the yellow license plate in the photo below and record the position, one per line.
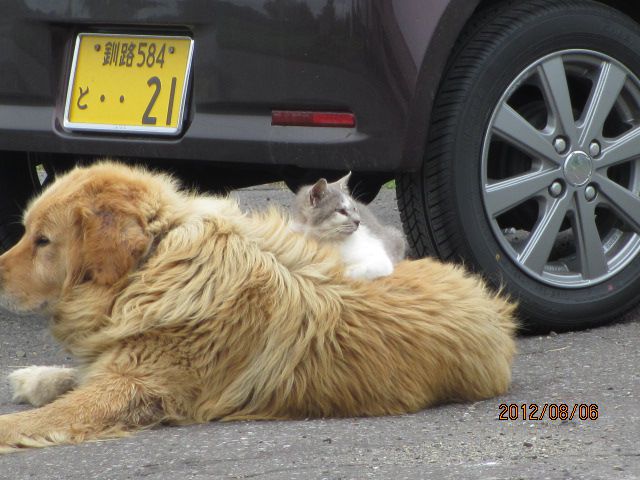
(128, 83)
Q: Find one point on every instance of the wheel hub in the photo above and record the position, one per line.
(578, 168)
(574, 205)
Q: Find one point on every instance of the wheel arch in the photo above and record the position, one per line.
(435, 51)
(630, 8)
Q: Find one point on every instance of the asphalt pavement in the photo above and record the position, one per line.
(596, 370)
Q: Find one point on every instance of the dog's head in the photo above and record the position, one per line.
(90, 225)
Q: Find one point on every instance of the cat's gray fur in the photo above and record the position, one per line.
(327, 212)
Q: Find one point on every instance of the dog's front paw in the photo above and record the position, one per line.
(41, 385)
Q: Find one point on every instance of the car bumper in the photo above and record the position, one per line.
(247, 61)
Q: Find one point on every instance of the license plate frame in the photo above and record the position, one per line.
(73, 117)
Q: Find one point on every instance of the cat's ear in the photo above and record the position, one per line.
(344, 182)
(318, 191)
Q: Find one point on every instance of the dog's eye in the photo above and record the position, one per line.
(41, 241)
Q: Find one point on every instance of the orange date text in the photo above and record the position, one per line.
(548, 411)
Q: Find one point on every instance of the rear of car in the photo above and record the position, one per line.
(249, 59)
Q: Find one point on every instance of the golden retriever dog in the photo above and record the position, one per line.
(181, 308)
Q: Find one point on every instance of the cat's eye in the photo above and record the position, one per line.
(341, 211)
(41, 241)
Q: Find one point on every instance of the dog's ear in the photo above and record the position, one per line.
(109, 242)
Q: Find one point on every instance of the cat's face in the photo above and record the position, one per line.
(328, 209)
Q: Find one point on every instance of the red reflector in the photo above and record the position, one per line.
(292, 118)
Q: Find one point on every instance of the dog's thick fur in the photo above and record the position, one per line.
(182, 309)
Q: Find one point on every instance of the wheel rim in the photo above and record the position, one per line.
(561, 171)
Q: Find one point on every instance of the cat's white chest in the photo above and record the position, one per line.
(365, 255)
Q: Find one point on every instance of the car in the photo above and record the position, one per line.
(511, 128)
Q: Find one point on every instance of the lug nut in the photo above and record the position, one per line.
(555, 189)
(594, 149)
(590, 193)
(560, 144)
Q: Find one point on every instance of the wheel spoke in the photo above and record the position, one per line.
(513, 128)
(601, 101)
(507, 194)
(556, 91)
(543, 236)
(624, 202)
(624, 149)
(588, 242)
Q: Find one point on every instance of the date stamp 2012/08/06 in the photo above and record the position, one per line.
(549, 411)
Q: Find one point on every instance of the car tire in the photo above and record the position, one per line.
(529, 173)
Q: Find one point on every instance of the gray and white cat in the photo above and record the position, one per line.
(327, 212)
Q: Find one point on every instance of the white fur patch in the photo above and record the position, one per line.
(298, 227)
(365, 255)
(41, 385)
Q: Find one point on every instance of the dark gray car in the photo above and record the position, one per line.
(512, 128)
